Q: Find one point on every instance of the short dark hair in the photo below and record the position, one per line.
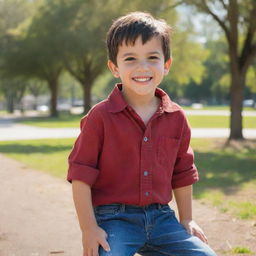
(126, 29)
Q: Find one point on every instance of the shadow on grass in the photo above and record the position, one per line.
(224, 171)
(16, 148)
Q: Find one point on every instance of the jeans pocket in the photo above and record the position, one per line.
(106, 212)
(166, 209)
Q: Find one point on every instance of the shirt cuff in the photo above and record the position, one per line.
(83, 173)
(185, 178)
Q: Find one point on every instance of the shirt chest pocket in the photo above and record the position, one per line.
(167, 149)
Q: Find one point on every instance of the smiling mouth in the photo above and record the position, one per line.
(141, 79)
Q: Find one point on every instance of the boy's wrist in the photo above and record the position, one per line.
(90, 224)
(89, 227)
(186, 220)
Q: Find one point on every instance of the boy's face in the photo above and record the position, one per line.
(141, 67)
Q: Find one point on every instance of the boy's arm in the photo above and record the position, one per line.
(183, 197)
(92, 234)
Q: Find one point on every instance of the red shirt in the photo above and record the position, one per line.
(126, 161)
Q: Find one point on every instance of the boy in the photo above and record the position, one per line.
(133, 151)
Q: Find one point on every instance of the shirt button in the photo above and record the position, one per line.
(145, 173)
(147, 194)
(145, 139)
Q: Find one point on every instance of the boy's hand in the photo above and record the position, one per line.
(193, 229)
(92, 238)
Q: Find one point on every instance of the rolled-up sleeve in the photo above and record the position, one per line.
(185, 172)
(83, 159)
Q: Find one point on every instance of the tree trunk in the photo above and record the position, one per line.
(53, 85)
(236, 107)
(236, 95)
(10, 104)
(87, 86)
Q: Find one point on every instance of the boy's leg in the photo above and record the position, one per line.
(124, 229)
(169, 237)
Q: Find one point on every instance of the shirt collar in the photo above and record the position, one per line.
(117, 102)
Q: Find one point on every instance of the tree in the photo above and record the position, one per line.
(33, 48)
(13, 89)
(36, 87)
(186, 67)
(251, 78)
(12, 13)
(84, 52)
(33, 59)
(237, 20)
(213, 88)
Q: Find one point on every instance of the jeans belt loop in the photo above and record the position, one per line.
(122, 207)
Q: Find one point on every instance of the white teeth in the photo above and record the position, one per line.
(142, 79)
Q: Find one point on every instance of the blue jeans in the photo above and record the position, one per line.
(151, 230)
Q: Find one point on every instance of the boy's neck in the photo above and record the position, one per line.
(139, 102)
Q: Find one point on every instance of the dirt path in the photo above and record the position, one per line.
(37, 217)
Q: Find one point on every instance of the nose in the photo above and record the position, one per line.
(142, 65)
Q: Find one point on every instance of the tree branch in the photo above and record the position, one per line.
(71, 70)
(205, 8)
(248, 47)
(223, 4)
(233, 22)
(250, 57)
(172, 6)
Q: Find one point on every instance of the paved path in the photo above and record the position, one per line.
(216, 112)
(37, 216)
(13, 131)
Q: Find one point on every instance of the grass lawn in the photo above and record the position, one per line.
(227, 174)
(48, 155)
(218, 121)
(67, 120)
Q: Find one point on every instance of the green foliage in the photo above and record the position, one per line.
(215, 81)
(13, 88)
(70, 88)
(251, 78)
(12, 13)
(193, 54)
(236, 19)
(103, 85)
(44, 36)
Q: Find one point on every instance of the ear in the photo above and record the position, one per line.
(167, 66)
(113, 68)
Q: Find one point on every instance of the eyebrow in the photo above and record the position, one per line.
(131, 53)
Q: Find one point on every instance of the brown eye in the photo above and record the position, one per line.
(130, 59)
(153, 57)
